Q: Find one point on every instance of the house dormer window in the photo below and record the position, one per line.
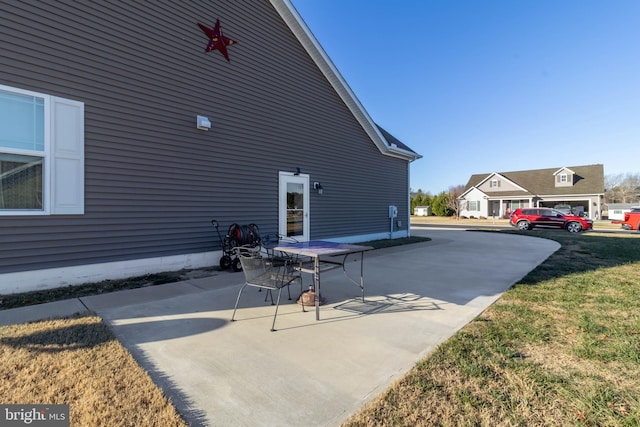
(564, 178)
(494, 183)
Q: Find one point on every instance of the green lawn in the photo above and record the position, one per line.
(562, 347)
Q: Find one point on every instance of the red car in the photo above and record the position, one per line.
(528, 218)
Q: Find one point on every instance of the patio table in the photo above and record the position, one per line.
(326, 256)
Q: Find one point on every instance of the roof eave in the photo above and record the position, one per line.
(300, 29)
(463, 195)
(395, 151)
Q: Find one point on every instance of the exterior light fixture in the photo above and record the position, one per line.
(203, 123)
(318, 187)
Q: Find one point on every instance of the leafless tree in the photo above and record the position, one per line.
(622, 188)
(453, 202)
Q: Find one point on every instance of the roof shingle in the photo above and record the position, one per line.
(588, 180)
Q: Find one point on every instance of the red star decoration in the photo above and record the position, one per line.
(217, 40)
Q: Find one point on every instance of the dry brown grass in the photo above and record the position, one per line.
(561, 348)
(78, 362)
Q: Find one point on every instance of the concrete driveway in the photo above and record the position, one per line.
(308, 372)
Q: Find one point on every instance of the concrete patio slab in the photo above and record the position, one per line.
(309, 372)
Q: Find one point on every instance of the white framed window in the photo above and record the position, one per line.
(494, 183)
(563, 177)
(41, 154)
(474, 205)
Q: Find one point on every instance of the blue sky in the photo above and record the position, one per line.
(479, 86)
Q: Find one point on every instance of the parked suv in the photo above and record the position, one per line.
(565, 209)
(527, 218)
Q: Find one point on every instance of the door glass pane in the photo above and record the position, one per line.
(20, 182)
(295, 209)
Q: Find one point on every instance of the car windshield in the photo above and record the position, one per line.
(556, 212)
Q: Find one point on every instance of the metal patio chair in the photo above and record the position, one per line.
(266, 273)
(295, 261)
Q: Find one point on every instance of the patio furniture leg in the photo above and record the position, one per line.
(237, 300)
(362, 275)
(268, 294)
(316, 282)
(273, 325)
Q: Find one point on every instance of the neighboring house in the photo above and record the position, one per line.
(499, 193)
(106, 171)
(422, 211)
(616, 211)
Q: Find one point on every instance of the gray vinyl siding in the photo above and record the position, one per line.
(153, 182)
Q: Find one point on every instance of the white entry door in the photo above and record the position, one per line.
(294, 206)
